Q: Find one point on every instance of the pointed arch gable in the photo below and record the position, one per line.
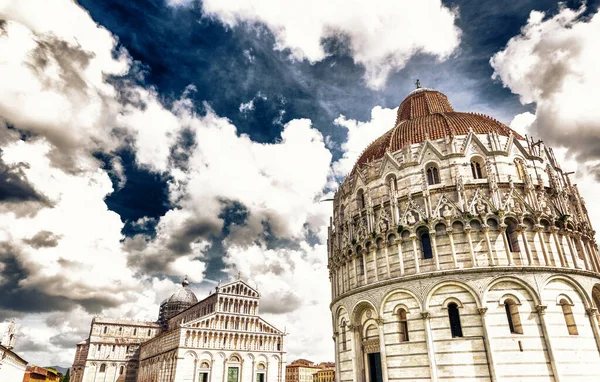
(473, 139)
(389, 164)
(443, 201)
(428, 146)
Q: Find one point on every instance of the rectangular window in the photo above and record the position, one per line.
(260, 377)
(233, 374)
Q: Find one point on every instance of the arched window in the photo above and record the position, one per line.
(403, 325)
(454, 317)
(121, 370)
(512, 315)
(426, 246)
(569, 318)
(512, 236)
(520, 168)
(476, 169)
(433, 175)
(360, 199)
(149, 332)
(103, 368)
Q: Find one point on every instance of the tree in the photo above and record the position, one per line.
(66, 377)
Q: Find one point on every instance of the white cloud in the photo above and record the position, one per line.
(382, 34)
(294, 287)
(360, 134)
(246, 107)
(553, 63)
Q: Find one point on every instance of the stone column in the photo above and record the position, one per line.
(374, 252)
(502, 229)
(434, 250)
(355, 346)
(336, 343)
(558, 247)
(470, 240)
(523, 232)
(593, 258)
(387, 260)
(485, 229)
(364, 260)
(347, 273)
(354, 260)
(540, 232)
(415, 252)
(573, 251)
(450, 233)
(586, 263)
(592, 312)
(384, 367)
(487, 341)
(400, 257)
(541, 310)
(430, 348)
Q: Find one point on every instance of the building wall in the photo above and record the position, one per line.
(111, 352)
(12, 368)
(487, 349)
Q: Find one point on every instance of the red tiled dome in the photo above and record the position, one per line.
(427, 114)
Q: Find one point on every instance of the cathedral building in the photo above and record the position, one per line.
(460, 250)
(219, 339)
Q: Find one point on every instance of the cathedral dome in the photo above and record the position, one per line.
(427, 114)
(179, 301)
(184, 294)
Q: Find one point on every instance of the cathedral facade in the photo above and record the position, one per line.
(219, 339)
(460, 250)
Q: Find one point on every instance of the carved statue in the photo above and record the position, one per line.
(480, 207)
(517, 208)
(447, 212)
(410, 218)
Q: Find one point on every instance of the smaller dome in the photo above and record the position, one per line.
(184, 294)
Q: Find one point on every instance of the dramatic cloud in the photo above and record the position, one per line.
(53, 72)
(553, 63)
(382, 35)
(360, 134)
(294, 285)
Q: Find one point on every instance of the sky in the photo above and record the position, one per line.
(141, 141)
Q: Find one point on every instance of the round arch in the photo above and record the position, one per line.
(534, 295)
(457, 283)
(574, 284)
(359, 307)
(394, 291)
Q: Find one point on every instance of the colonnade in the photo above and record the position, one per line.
(230, 322)
(234, 341)
(540, 245)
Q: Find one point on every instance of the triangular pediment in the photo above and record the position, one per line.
(388, 164)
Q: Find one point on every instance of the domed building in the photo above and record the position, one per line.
(179, 301)
(460, 250)
(221, 338)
